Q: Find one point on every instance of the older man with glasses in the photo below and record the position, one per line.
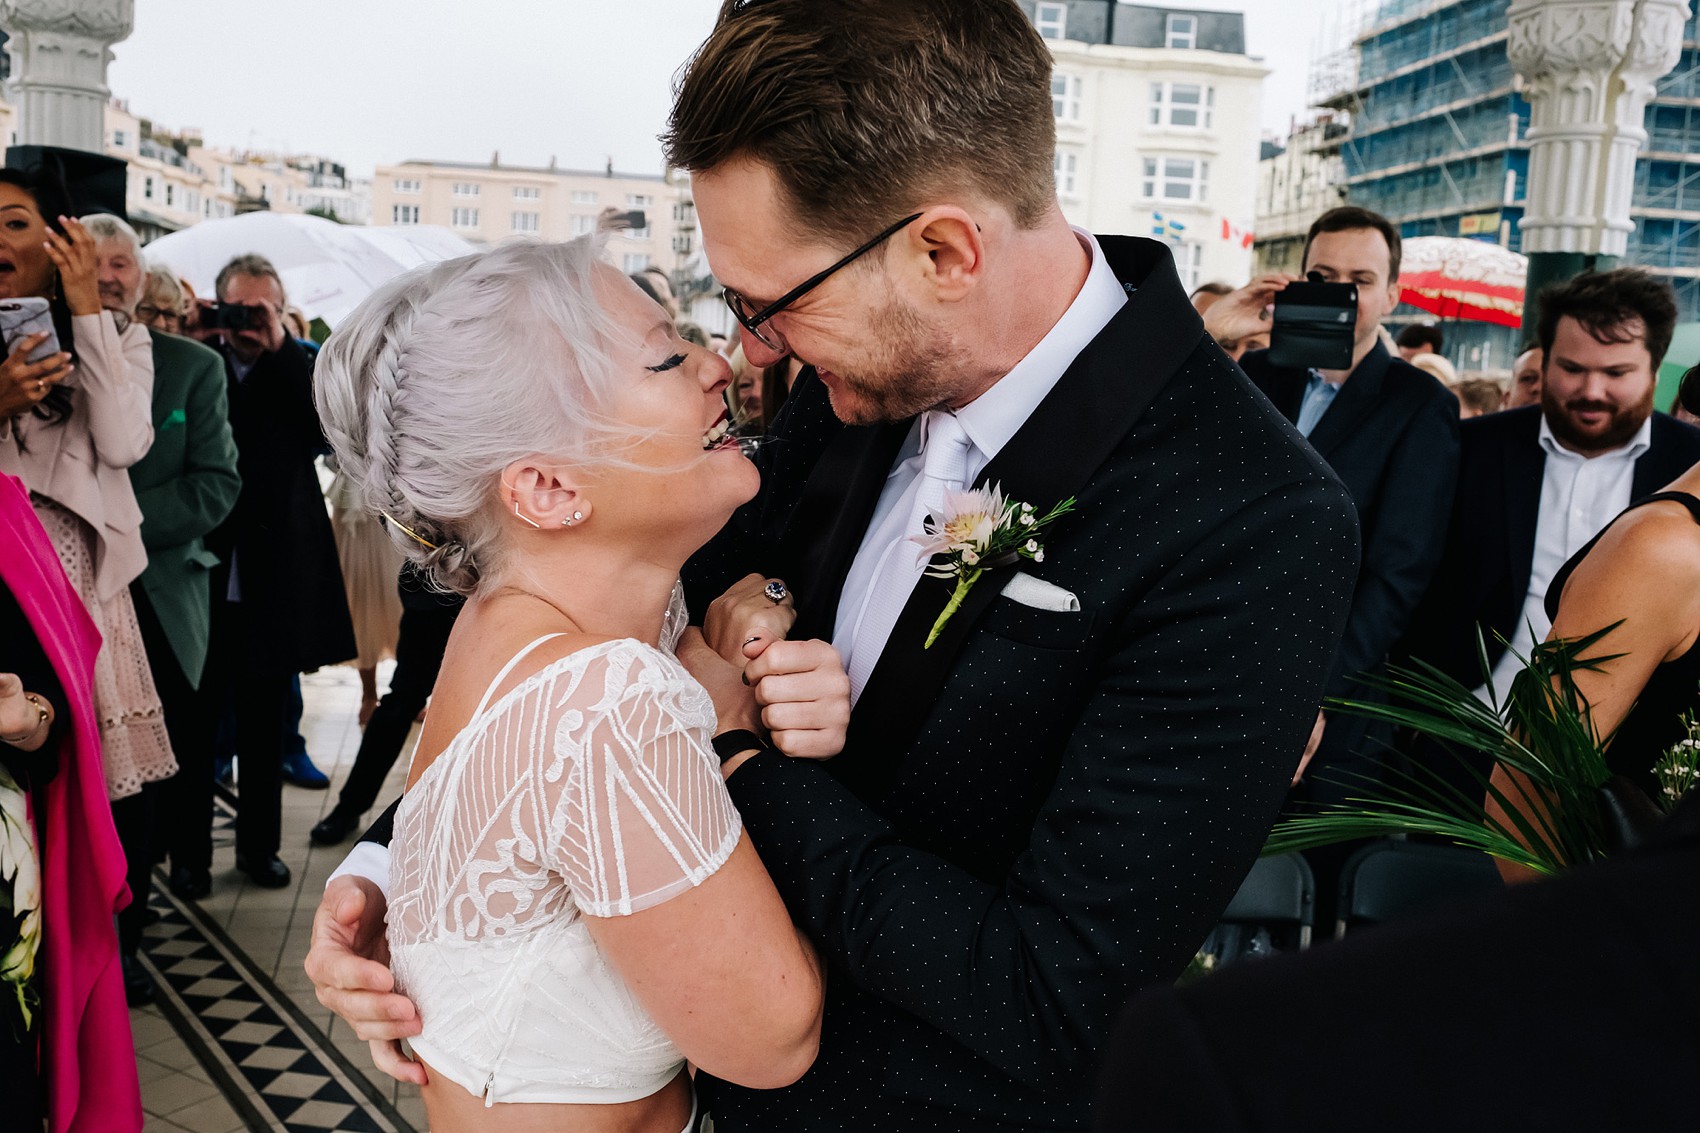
(1053, 782)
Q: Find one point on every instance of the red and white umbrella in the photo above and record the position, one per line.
(1457, 278)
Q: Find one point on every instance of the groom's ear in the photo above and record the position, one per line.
(950, 243)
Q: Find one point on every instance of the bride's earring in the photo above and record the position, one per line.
(526, 518)
(577, 515)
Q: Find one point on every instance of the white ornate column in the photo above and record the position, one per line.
(59, 50)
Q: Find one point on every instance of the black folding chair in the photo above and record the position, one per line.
(1393, 879)
(1273, 911)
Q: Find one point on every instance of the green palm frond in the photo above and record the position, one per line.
(1543, 731)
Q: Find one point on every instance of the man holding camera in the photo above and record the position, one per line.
(1389, 431)
(278, 603)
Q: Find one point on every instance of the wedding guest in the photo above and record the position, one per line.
(1051, 804)
(1420, 338)
(66, 1056)
(369, 564)
(551, 451)
(73, 451)
(692, 333)
(1643, 570)
(163, 301)
(743, 396)
(427, 618)
(1206, 294)
(1477, 396)
(655, 280)
(278, 603)
(186, 485)
(1537, 483)
(1525, 379)
(1390, 431)
(1238, 348)
(1435, 367)
(1472, 1019)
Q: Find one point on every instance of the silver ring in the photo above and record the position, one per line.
(775, 591)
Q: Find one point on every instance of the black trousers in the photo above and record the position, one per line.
(184, 804)
(418, 658)
(244, 670)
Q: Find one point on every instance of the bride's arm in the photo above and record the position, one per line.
(725, 973)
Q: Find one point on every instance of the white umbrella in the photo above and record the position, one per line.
(327, 268)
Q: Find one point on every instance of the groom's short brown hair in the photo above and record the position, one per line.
(865, 108)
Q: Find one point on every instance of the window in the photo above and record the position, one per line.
(584, 225)
(193, 201)
(463, 217)
(147, 188)
(1065, 98)
(170, 195)
(1176, 178)
(1189, 264)
(584, 196)
(466, 188)
(1051, 20)
(526, 221)
(639, 200)
(1182, 32)
(405, 185)
(120, 139)
(404, 214)
(634, 262)
(1187, 105)
(527, 193)
(1064, 165)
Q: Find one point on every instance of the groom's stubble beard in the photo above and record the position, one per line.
(914, 367)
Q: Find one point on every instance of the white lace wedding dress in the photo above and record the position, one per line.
(589, 788)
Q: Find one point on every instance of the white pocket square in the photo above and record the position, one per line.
(1039, 594)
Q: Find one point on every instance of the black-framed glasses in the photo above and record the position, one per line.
(755, 321)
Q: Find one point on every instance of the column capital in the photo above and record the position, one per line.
(60, 50)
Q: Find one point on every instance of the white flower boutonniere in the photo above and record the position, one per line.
(982, 530)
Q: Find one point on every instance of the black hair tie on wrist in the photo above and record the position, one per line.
(735, 743)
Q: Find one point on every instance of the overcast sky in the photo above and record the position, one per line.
(366, 82)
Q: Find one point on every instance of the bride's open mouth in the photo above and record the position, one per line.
(719, 435)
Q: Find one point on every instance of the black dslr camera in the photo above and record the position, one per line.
(1314, 325)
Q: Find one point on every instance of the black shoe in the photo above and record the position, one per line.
(335, 827)
(138, 985)
(267, 873)
(191, 884)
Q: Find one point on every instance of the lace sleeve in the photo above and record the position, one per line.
(642, 813)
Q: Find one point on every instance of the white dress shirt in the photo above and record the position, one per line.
(1579, 496)
(990, 420)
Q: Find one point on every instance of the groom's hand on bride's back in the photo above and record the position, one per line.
(348, 963)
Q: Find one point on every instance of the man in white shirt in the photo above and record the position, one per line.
(1535, 484)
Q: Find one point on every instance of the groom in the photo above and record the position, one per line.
(1051, 805)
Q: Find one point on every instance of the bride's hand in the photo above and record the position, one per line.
(745, 613)
(735, 704)
(804, 694)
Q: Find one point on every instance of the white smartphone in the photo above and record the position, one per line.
(20, 318)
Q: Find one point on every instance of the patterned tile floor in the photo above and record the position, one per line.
(236, 1040)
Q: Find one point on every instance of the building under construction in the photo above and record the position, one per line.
(1435, 141)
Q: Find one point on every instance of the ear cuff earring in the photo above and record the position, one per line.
(526, 518)
(577, 515)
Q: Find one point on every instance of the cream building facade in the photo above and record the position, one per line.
(1157, 128)
(1297, 182)
(493, 202)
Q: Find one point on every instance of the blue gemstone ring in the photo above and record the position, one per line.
(775, 592)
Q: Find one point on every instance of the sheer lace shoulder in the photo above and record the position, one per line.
(590, 787)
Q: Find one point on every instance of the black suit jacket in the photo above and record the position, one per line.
(1391, 435)
(1483, 577)
(280, 532)
(1565, 1006)
(1045, 810)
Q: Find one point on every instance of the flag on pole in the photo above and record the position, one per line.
(1234, 234)
(1167, 228)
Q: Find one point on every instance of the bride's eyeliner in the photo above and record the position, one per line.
(674, 361)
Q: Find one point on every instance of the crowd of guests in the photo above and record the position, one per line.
(170, 569)
(1472, 496)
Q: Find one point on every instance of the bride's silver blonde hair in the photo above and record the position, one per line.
(447, 374)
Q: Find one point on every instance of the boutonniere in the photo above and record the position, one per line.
(981, 529)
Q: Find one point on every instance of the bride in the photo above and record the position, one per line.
(574, 907)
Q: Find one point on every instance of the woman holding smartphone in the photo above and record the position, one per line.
(88, 416)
